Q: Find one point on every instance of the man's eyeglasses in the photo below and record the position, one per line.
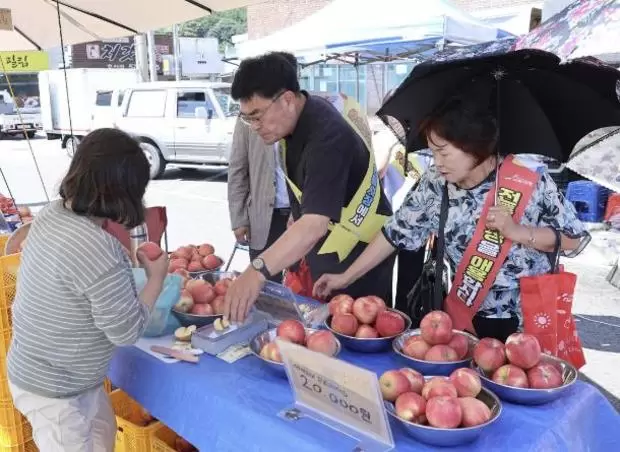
(256, 117)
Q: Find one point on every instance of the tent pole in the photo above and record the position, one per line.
(357, 78)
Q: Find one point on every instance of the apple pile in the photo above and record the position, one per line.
(437, 342)
(198, 297)
(322, 341)
(193, 258)
(365, 318)
(516, 363)
(441, 402)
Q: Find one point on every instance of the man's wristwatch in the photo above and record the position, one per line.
(258, 264)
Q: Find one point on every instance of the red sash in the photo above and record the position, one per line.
(488, 249)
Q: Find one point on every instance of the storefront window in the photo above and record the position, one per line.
(397, 72)
(325, 78)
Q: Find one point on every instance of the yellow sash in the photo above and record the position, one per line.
(359, 220)
(414, 169)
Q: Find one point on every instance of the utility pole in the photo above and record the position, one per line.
(142, 57)
(150, 38)
(176, 45)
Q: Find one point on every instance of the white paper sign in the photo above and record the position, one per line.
(343, 396)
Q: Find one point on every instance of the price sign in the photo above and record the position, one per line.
(338, 394)
(6, 19)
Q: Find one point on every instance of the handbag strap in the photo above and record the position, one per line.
(443, 215)
(554, 258)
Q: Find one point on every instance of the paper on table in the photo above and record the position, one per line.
(145, 344)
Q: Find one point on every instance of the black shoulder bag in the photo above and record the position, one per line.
(429, 291)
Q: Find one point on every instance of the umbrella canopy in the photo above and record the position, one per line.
(542, 107)
(36, 22)
(597, 157)
(584, 28)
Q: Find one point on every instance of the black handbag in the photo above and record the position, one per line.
(427, 295)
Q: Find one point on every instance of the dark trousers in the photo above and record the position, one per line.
(279, 219)
(499, 329)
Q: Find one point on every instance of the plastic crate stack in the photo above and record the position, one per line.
(15, 431)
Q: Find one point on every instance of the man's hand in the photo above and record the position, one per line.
(242, 294)
(242, 235)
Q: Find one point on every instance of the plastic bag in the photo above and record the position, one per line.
(162, 322)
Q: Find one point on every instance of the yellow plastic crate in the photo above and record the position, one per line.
(9, 267)
(3, 239)
(14, 428)
(26, 447)
(164, 439)
(130, 437)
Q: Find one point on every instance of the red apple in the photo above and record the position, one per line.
(415, 378)
(203, 294)
(436, 328)
(444, 412)
(206, 249)
(192, 283)
(475, 412)
(151, 250)
(341, 304)
(511, 375)
(221, 287)
(366, 310)
(393, 383)
(184, 252)
(544, 376)
(410, 406)
(344, 324)
(416, 347)
(460, 344)
(195, 266)
(523, 350)
(322, 342)
(176, 264)
(440, 390)
(389, 324)
(218, 304)
(202, 309)
(434, 382)
(379, 301)
(366, 332)
(293, 331)
(211, 262)
(489, 354)
(467, 382)
(441, 353)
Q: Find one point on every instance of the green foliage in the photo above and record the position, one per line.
(221, 25)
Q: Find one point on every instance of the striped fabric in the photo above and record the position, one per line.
(76, 300)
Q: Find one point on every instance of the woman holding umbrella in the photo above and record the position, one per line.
(463, 137)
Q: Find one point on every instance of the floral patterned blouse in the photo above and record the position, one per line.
(418, 218)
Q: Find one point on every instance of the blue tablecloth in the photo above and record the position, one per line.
(234, 407)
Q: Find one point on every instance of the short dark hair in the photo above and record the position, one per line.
(290, 58)
(467, 123)
(265, 76)
(107, 178)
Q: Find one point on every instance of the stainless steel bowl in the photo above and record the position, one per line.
(265, 337)
(214, 276)
(443, 437)
(528, 396)
(186, 319)
(433, 367)
(367, 345)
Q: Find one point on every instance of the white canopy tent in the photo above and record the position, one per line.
(344, 24)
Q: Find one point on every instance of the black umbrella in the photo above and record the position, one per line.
(543, 107)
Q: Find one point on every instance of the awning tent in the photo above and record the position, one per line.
(346, 27)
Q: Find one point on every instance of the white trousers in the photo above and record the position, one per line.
(84, 423)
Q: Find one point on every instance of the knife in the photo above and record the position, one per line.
(177, 354)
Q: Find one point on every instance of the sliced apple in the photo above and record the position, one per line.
(184, 334)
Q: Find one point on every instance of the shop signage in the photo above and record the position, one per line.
(24, 61)
(338, 394)
(6, 20)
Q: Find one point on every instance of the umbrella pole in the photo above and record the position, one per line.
(19, 115)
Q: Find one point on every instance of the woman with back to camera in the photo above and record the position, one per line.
(463, 137)
(76, 298)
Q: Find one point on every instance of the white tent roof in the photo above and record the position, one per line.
(345, 22)
(35, 22)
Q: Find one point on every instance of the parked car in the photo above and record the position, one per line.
(185, 124)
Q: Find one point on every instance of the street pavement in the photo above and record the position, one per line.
(197, 212)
